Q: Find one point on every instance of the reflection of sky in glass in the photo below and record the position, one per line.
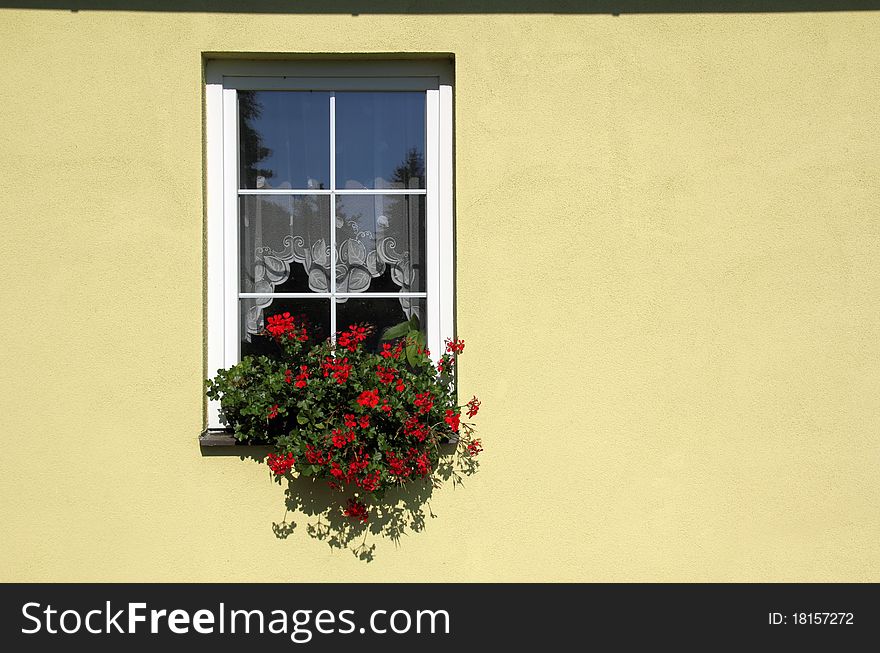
(374, 134)
(295, 126)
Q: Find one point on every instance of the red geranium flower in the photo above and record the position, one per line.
(280, 465)
(352, 338)
(385, 374)
(339, 438)
(357, 510)
(475, 447)
(473, 407)
(424, 401)
(452, 418)
(369, 398)
(284, 325)
(455, 346)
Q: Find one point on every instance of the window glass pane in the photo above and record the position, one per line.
(284, 243)
(380, 140)
(253, 313)
(381, 313)
(380, 243)
(284, 139)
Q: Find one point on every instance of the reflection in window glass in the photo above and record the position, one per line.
(380, 140)
(283, 139)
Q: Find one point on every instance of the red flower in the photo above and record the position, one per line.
(314, 456)
(386, 351)
(357, 510)
(424, 401)
(385, 406)
(423, 465)
(340, 369)
(339, 438)
(301, 378)
(280, 464)
(273, 412)
(287, 376)
(455, 346)
(400, 387)
(279, 325)
(475, 447)
(352, 338)
(473, 407)
(369, 398)
(386, 375)
(350, 421)
(364, 421)
(370, 482)
(452, 418)
(396, 466)
(414, 428)
(284, 325)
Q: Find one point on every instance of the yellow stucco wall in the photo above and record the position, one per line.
(668, 281)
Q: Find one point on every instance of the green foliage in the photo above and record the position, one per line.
(412, 335)
(364, 421)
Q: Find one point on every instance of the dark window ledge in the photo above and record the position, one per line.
(224, 438)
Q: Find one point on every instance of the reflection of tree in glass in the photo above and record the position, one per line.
(412, 168)
(251, 145)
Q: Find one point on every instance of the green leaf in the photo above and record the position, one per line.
(397, 331)
(412, 355)
(302, 419)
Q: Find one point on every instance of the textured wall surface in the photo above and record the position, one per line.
(668, 244)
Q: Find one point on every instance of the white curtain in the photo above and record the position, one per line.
(377, 234)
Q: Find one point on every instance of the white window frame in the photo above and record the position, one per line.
(223, 79)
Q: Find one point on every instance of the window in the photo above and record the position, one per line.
(329, 194)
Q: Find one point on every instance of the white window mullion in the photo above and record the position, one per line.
(326, 191)
(327, 295)
(332, 272)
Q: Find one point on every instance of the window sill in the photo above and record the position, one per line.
(224, 438)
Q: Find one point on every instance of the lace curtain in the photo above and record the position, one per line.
(376, 237)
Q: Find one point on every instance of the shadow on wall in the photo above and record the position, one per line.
(355, 7)
(402, 512)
